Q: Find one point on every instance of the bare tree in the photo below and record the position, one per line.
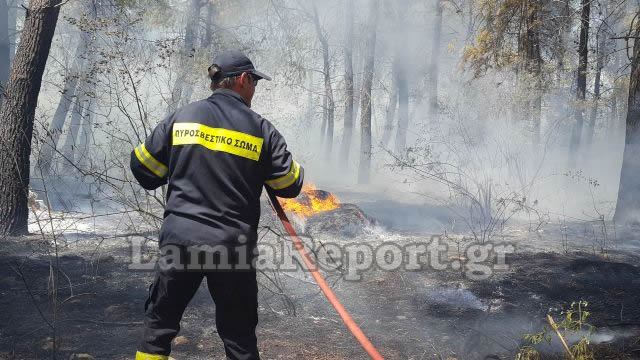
(82, 155)
(70, 90)
(628, 205)
(69, 148)
(559, 43)
(18, 112)
(531, 55)
(365, 97)
(581, 77)
(597, 84)
(615, 24)
(399, 91)
(182, 90)
(392, 105)
(435, 61)
(209, 24)
(616, 123)
(402, 82)
(75, 150)
(327, 101)
(403, 110)
(348, 84)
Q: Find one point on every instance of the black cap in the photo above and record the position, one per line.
(233, 63)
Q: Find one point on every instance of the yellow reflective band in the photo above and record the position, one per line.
(156, 167)
(286, 181)
(144, 356)
(218, 139)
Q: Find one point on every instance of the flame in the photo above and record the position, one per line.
(311, 201)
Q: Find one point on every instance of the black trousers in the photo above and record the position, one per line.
(235, 294)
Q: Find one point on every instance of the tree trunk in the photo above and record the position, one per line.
(207, 39)
(348, 84)
(600, 54)
(628, 206)
(329, 106)
(561, 40)
(615, 124)
(309, 116)
(188, 53)
(86, 131)
(5, 48)
(191, 29)
(403, 109)
(71, 141)
(559, 106)
(391, 106)
(536, 110)
(530, 46)
(581, 83)
(323, 126)
(18, 113)
(401, 79)
(435, 62)
(69, 92)
(365, 99)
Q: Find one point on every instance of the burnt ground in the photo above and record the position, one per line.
(101, 313)
(426, 314)
(410, 315)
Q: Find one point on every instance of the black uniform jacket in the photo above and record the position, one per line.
(215, 155)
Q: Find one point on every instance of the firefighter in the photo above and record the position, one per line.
(214, 155)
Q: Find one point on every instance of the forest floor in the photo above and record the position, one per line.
(425, 314)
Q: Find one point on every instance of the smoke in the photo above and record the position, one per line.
(480, 140)
(471, 164)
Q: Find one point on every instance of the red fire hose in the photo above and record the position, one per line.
(309, 262)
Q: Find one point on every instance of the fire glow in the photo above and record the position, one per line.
(311, 201)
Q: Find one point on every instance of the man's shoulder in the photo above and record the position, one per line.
(266, 125)
(191, 112)
(194, 106)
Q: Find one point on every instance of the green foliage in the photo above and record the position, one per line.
(528, 353)
(574, 321)
(582, 351)
(538, 338)
(575, 318)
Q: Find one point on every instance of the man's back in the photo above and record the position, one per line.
(215, 155)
